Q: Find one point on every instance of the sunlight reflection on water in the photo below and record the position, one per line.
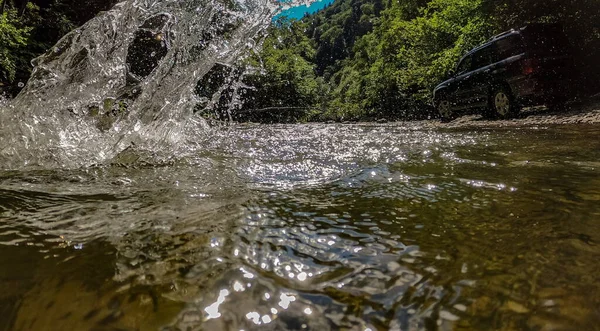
(391, 227)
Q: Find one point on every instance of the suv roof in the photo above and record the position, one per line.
(533, 27)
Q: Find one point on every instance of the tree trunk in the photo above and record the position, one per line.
(22, 6)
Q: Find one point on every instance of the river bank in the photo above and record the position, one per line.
(585, 113)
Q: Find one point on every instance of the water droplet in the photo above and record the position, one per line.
(213, 310)
(285, 300)
(238, 287)
(21, 84)
(254, 317)
(246, 273)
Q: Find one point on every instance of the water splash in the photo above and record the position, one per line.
(128, 78)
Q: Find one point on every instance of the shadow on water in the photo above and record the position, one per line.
(294, 227)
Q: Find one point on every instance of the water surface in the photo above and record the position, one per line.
(314, 227)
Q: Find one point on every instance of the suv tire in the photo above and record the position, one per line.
(557, 104)
(502, 104)
(444, 109)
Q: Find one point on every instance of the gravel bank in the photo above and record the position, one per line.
(588, 113)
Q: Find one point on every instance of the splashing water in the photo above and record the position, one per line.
(128, 77)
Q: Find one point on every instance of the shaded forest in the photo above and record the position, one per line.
(29, 28)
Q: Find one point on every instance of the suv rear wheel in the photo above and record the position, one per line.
(445, 110)
(502, 103)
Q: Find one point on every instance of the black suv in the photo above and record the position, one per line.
(529, 66)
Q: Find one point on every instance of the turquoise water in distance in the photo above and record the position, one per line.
(300, 11)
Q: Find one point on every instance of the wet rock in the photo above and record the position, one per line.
(583, 246)
(543, 323)
(482, 306)
(515, 307)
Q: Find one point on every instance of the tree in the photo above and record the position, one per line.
(30, 27)
(284, 72)
(13, 38)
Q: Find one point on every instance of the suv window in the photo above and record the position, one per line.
(510, 46)
(464, 65)
(547, 41)
(483, 57)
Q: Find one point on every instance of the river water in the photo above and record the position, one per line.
(312, 227)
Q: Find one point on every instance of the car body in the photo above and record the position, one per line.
(522, 67)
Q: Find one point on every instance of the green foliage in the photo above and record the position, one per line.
(383, 58)
(395, 67)
(29, 28)
(13, 38)
(285, 74)
(428, 46)
(336, 29)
